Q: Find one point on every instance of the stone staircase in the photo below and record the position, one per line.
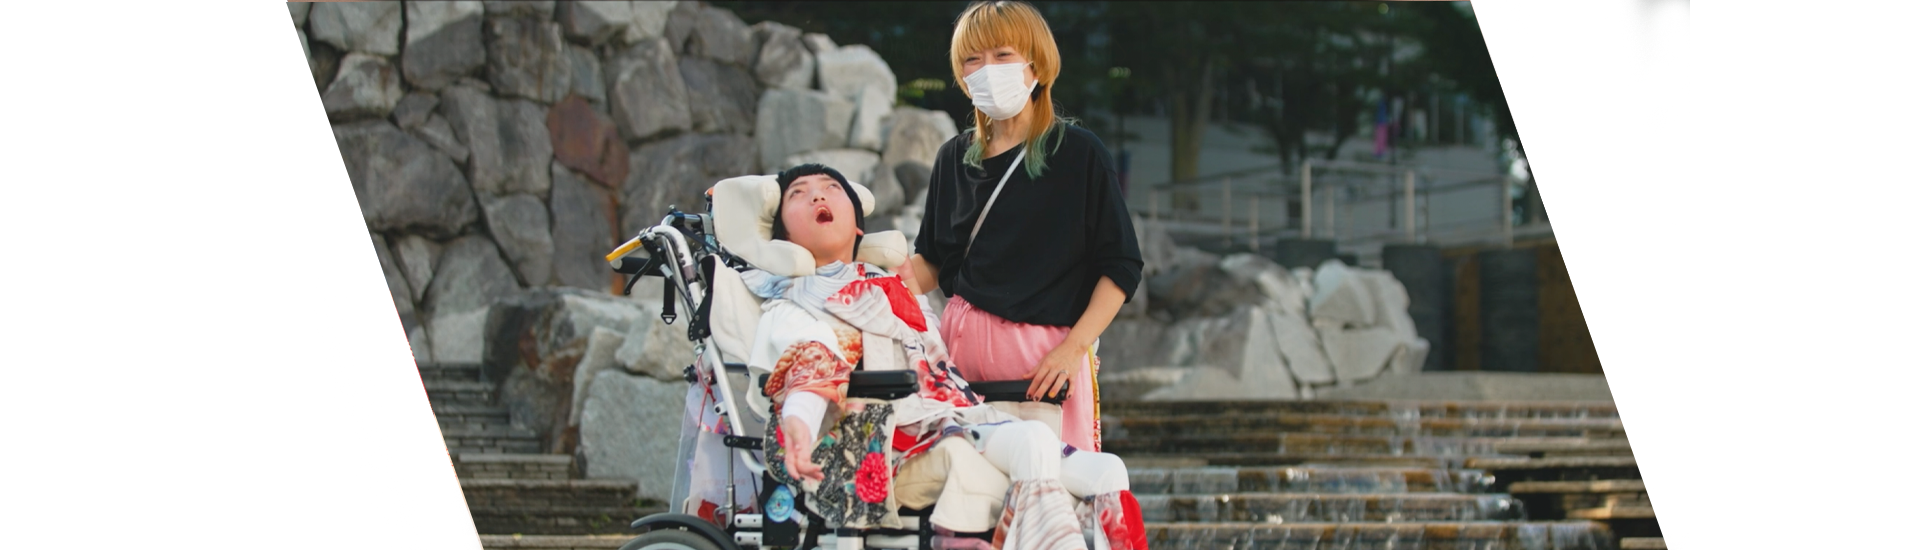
(1350, 475)
(518, 496)
(1372, 474)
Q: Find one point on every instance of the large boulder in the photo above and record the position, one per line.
(443, 43)
(797, 121)
(858, 75)
(528, 59)
(848, 71)
(1200, 290)
(649, 21)
(871, 108)
(422, 346)
(914, 136)
(1130, 344)
(655, 349)
(439, 133)
(1242, 345)
(1300, 346)
(630, 429)
(366, 87)
(588, 141)
(299, 11)
(520, 225)
(324, 61)
(681, 20)
(721, 36)
(677, 172)
(416, 256)
(720, 97)
(648, 95)
(1359, 353)
(539, 11)
(469, 277)
(594, 22)
(598, 357)
(396, 282)
(587, 79)
(817, 43)
(414, 109)
(507, 140)
(402, 183)
(365, 27)
(1341, 297)
(535, 342)
(783, 60)
(582, 231)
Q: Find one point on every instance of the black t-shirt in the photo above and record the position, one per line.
(1046, 241)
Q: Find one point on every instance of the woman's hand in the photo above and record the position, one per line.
(905, 271)
(799, 442)
(1055, 370)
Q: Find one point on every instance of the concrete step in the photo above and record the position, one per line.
(498, 439)
(1320, 444)
(513, 466)
(442, 393)
(1268, 458)
(1508, 470)
(1390, 409)
(468, 416)
(1289, 508)
(553, 542)
(1559, 487)
(1237, 424)
(558, 520)
(1566, 448)
(449, 372)
(1643, 543)
(539, 493)
(1325, 480)
(1568, 535)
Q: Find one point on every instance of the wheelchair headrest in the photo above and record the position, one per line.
(744, 209)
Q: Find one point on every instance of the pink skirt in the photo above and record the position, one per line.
(986, 347)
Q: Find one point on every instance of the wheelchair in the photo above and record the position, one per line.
(698, 257)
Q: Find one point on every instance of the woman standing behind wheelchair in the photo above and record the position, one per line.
(1025, 227)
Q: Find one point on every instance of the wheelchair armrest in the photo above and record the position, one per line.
(1014, 390)
(882, 384)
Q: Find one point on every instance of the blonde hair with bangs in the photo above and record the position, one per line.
(988, 25)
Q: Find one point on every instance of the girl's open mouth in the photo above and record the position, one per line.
(823, 215)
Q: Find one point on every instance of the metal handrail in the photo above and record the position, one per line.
(1320, 211)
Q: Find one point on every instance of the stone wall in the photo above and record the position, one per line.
(500, 149)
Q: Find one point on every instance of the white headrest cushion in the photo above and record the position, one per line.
(743, 212)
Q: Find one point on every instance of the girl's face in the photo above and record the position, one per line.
(819, 216)
(1004, 54)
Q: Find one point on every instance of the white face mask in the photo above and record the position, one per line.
(1001, 91)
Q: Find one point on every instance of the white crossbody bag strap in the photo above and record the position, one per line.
(990, 198)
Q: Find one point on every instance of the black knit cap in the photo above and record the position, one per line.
(786, 178)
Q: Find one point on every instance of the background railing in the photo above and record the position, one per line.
(1360, 206)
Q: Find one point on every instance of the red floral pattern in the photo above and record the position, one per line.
(874, 478)
(810, 367)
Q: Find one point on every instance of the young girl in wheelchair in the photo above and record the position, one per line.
(856, 462)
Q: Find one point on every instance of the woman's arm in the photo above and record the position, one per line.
(1059, 365)
(919, 275)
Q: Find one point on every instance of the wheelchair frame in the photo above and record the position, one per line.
(682, 251)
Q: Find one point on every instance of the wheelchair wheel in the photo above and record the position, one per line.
(670, 539)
